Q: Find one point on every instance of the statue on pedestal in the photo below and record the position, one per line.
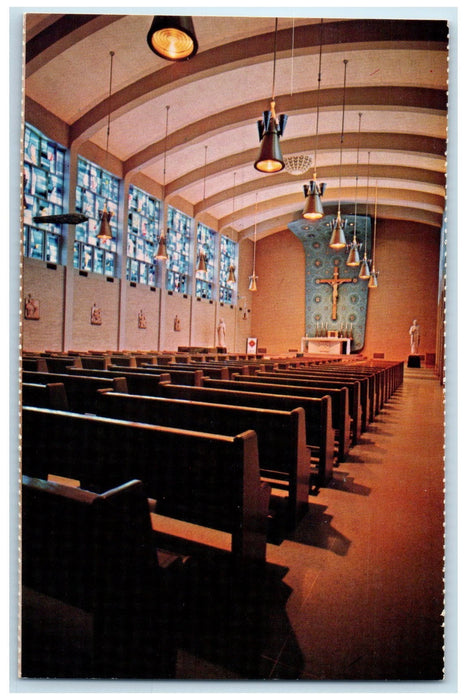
(414, 333)
(221, 333)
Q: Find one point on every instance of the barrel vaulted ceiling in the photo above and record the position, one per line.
(199, 117)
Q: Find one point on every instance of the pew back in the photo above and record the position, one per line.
(209, 479)
(283, 457)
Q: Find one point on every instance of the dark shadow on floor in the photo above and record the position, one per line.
(236, 622)
(341, 481)
(315, 530)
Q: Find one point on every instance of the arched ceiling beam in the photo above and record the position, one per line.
(66, 31)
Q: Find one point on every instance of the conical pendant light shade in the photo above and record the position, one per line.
(353, 259)
(373, 281)
(252, 286)
(201, 263)
(172, 38)
(338, 241)
(364, 273)
(313, 208)
(162, 248)
(270, 155)
(105, 233)
(231, 278)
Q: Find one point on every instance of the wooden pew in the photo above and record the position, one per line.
(33, 364)
(99, 599)
(320, 434)
(45, 396)
(290, 377)
(143, 383)
(58, 365)
(358, 394)
(206, 368)
(339, 402)
(283, 457)
(212, 480)
(81, 391)
(190, 377)
(366, 378)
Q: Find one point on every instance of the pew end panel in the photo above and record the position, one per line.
(93, 557)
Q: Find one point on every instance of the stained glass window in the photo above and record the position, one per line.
(144, 214)
(43, 192)
(95, 189)
(228, 266)
(206, 241)
(178, 250)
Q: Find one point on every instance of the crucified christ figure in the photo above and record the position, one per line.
(335, 281)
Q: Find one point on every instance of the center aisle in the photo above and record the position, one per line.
(365, 565)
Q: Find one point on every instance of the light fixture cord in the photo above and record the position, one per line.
(292, 56)
(205, 163)
(165, 144)
(367, 196)
(356, 176)
(112, 54)
(376, 216)
(342, 135)
(274, 65)
(318, 95)
(254, 240)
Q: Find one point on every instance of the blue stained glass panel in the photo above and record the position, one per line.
(43, 191)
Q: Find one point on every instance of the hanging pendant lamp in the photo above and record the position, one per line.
(231, 280)
(105, 234)
(364, 273)
(161, 253)
(353, 259)
(373, 281)
(338, 241)
(254, 277)
(313, 208)
(172, 38)
(201, 268)
(270, 129)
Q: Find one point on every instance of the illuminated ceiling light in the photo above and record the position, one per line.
(105, 234)
(313, 208)
(172, 38)
(270, 129)
(338, 241)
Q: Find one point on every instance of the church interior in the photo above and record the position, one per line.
(236, 227)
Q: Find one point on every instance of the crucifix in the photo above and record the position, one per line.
(335, 281)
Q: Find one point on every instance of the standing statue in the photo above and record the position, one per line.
(414, 333)
(221, 333)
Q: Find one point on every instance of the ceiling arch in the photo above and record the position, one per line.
(398, 82)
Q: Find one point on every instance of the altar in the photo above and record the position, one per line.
(330, 346)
